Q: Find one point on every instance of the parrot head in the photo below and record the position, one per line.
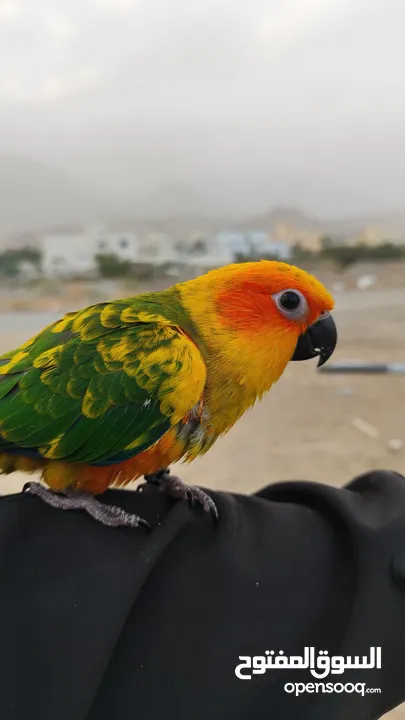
(269, 312)
(286, 299)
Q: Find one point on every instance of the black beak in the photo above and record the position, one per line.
(318, 341)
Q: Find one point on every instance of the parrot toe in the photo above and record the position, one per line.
(110, 515)
(172, 486)
(196, 495)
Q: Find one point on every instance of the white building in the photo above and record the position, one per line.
(252, 243)
(158, 248)
(279, 249)
(225, 248)
(124, 245)
(73, 253)
(68, 254)
(207, 253)
(231, 244)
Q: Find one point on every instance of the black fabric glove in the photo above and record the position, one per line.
(101, 623)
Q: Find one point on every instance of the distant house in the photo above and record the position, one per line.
(124, 245)
(68, 254)
(207, 253)
(230, 244)
(279, 249)
(258, 242)
(255, 243)
(158, 249)
(73, 253)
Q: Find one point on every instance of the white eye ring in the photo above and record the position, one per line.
(297, 313)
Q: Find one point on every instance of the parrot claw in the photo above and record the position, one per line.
(110, 515)
(176, 488)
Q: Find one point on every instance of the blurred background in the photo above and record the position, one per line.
(144, 142)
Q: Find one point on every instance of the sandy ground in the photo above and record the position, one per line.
(313, 426)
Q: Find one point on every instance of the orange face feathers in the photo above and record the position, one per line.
(251, 297)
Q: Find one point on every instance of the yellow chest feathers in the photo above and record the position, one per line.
(238, 373)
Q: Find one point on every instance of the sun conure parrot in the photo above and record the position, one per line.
(123, 389)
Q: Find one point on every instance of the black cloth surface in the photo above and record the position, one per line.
(101, 623)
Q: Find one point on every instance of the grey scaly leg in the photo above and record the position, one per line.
(176, 488)
(78, 500)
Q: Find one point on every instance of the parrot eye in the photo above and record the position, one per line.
(291, 303)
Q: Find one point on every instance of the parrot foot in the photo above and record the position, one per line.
(176, 488)
(110, 515)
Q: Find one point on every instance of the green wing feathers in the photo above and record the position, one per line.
(98, 386)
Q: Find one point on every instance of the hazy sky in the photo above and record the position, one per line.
(251, 103)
